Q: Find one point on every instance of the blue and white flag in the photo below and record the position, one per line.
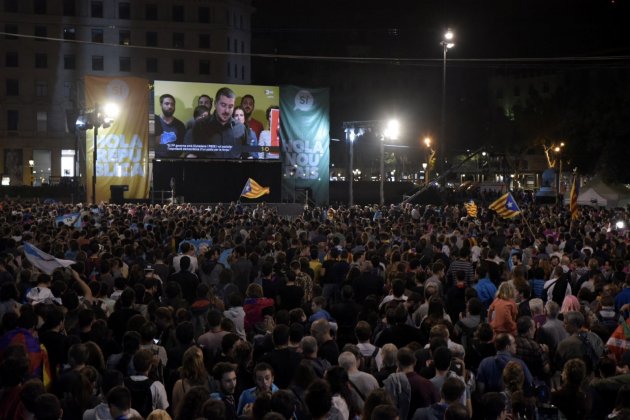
(45, 262)
(69, 219)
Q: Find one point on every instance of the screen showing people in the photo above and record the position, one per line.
(232, 122)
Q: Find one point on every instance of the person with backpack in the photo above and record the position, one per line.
(147, 394)
(372, 359)
(581, 343)
(558, 286)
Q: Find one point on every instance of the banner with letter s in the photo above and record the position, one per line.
(122, 149)
(305, 134)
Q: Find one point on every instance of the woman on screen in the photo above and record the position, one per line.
(265, 137)
(239, 116)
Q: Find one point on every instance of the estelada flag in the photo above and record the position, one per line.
(471, 208)
(253, 190)
(573, 205)
(505, 206)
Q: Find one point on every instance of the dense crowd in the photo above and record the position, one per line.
(232, 311)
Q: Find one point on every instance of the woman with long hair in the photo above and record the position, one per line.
(239, 115)
(502, 312)
(347, 401)
(192, 373)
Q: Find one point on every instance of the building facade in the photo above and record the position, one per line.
(48, 46)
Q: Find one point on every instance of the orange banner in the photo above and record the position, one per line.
(122, 148)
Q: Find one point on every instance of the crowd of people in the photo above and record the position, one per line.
(403, 312)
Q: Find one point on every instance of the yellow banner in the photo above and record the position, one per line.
(123, 148)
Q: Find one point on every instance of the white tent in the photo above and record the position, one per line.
(598, 193)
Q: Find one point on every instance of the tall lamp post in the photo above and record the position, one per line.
(391, 132)
(350, 137)
(430, 159)
(96, 118)
(447, 43)
(558, 150)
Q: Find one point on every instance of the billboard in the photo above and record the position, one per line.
(205, 121)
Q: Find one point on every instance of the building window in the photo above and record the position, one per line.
(235, 70)
(69, 8)
(178, 40)
(178, 13)
(67, 162)
(70, 33)
(204, 40)
(97, 35)
(41, 32)
(11, 6)
(242, 72)
(41, 88)
(69, 62)
(42, 121)
(41, 61)
(152, 39)
(242, 46)
(152, 65)
(178, 66)
(203, 14)
(151, 12)
(235, 46)
(97, 63)
(12, 59)
(39, 7)
(10, 28)
(227, 44)
(229, 69)
(97, 9)
(124, 10)
(124, 37)
(13, 119)
(67, 89)
(124, 63)
(227, 17)
(241, 22)
(204, 66)
(13, 87)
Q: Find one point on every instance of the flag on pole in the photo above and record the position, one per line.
(45, 262)
(471, 208)
(505, 206)
(253, 190)
(573, 205)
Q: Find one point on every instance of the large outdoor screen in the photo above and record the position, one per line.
(192, 122)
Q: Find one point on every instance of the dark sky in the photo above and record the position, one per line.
(485, 29)
(491, 36)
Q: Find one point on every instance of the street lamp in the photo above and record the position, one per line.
(430, 159)
(447, 43)
(558, 150)
(391, 132)
(96, 118)
(350, 137)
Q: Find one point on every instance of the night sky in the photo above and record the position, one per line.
(492, 37)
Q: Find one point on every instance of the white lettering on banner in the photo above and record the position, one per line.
(303, 158)
(119, 169)
(114, 148)
(115, 141)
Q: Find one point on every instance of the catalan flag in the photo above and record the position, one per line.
(253, 190)
(573, 205)
(505, 206)
(471, 208)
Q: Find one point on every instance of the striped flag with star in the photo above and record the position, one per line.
(252, 189)
(573, 205)
(505, 206)
(471, 208)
